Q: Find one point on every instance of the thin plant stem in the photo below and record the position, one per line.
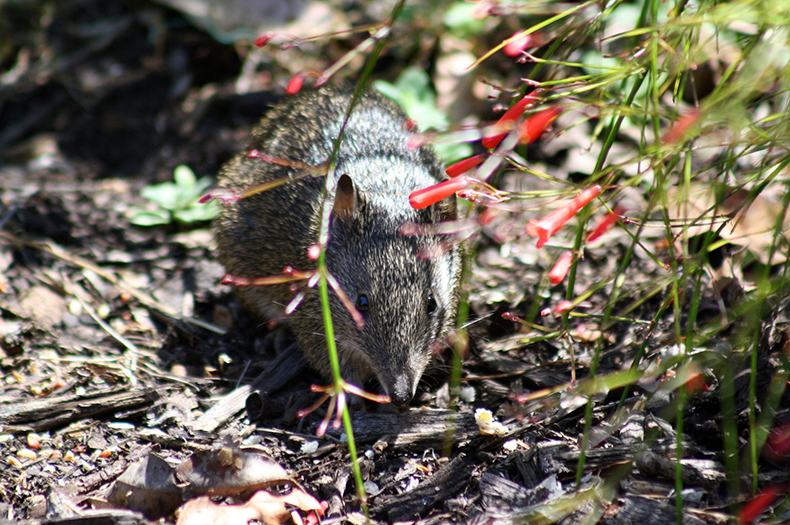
(338, 381)
(323, 287)
(609, 141)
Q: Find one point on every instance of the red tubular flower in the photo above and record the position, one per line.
(696, 381)
(295, 84)
(551, 223)
(510, 316)
(498, 131)
(605, 225)
(777, 445)
(679, 130)
(225, 196)
(431, 195)
(561, 267)
(563, 306)
(515, 47)
(757, 505)
(487, 215)
(462, 166)
(312, 516)
(481, 10)
(263, 39)
(535, 125)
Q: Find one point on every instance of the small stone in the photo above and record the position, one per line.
(33, 441)
(26, 453)
(75, 307)
(103, 311)
(309, 447)
(371, 488)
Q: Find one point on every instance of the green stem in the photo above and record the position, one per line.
(334, 362)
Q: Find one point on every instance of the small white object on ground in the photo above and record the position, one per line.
(487, 424)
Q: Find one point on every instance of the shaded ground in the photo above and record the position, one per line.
(116, 339)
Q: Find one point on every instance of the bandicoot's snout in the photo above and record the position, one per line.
(401, 390)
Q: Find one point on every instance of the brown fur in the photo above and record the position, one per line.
(261, 234)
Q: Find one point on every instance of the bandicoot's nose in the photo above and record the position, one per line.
(400, 393)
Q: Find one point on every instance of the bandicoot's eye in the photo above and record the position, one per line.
(362, 303)
(432, 305)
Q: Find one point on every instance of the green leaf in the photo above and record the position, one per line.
(197, 212)
(413, 93)
(453, 152)
(150, 218)
(179, 197)
(167, 195)
(184, 177)
(460, 19)
(390, 91)
(416, 81)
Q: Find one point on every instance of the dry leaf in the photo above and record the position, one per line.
(749, 224)
(229, 471)
(148, 486)
(156, 489)
(263, 506)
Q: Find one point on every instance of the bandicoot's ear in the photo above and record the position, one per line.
(347, 198)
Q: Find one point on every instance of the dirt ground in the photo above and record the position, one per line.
(116, 339)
